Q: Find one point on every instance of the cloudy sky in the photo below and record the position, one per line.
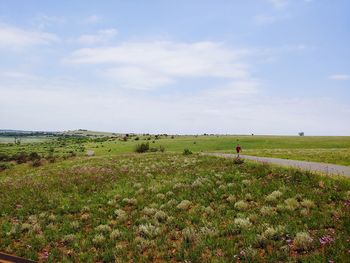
(184, 66)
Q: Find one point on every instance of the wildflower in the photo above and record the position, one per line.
(325, 240)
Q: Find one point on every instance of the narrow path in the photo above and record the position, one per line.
(325, 168)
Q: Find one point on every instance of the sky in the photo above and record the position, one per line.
(177, 67)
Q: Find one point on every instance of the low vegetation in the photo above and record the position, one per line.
(172, 207)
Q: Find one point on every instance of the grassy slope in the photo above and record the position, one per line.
(56, 210)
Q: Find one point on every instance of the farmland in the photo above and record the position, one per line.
(165, 206)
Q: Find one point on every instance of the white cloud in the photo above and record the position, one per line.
(340, 77)
(93, 19)
(162, 62)
(278, 3)
(16, 38)
(264, 19)
(102, 36)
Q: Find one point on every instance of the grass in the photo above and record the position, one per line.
(169, 207)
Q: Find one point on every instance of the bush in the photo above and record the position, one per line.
(4, 157)
(4, 166)
(142, 148)
(187, 152)
(238, 160)
(36, 163)
(34, 156)
(20, 157)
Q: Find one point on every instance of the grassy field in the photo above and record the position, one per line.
(169, 207)
(319, 149)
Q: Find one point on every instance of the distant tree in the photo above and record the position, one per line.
(301, 133)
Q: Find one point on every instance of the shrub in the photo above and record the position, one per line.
(4, 157)
(4, 166)
(37, 163)
(142, 148)
(187, 152)
(20, 157)
(34, 156)
(238, 160)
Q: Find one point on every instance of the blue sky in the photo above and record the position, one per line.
(238, 67)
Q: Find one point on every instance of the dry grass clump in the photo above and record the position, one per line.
(231, 199)
(302, 241)
(148, 231)
(267, 211)
(189, 235)
(291, 204)
(115, 234)
(160, 196)
(75, 225)
(67, 239)
(184, 205)
(120, 215)
(103, 228)
(241, 205)
(149, 211)
(273, 196)
(98, 240)
(161, 216)
(242, 223)
(308, 204)
(84, 217)
(130, 201)
(208, 231)
(209, 211)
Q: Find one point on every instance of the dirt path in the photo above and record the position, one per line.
(325, 168)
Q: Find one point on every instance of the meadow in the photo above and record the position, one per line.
(166, 206)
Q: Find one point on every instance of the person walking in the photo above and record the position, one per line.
(238, 150)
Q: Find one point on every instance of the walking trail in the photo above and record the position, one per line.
(326, 168)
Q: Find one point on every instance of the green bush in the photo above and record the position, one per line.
(142, 148)
(187, 152)
(34, 156)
